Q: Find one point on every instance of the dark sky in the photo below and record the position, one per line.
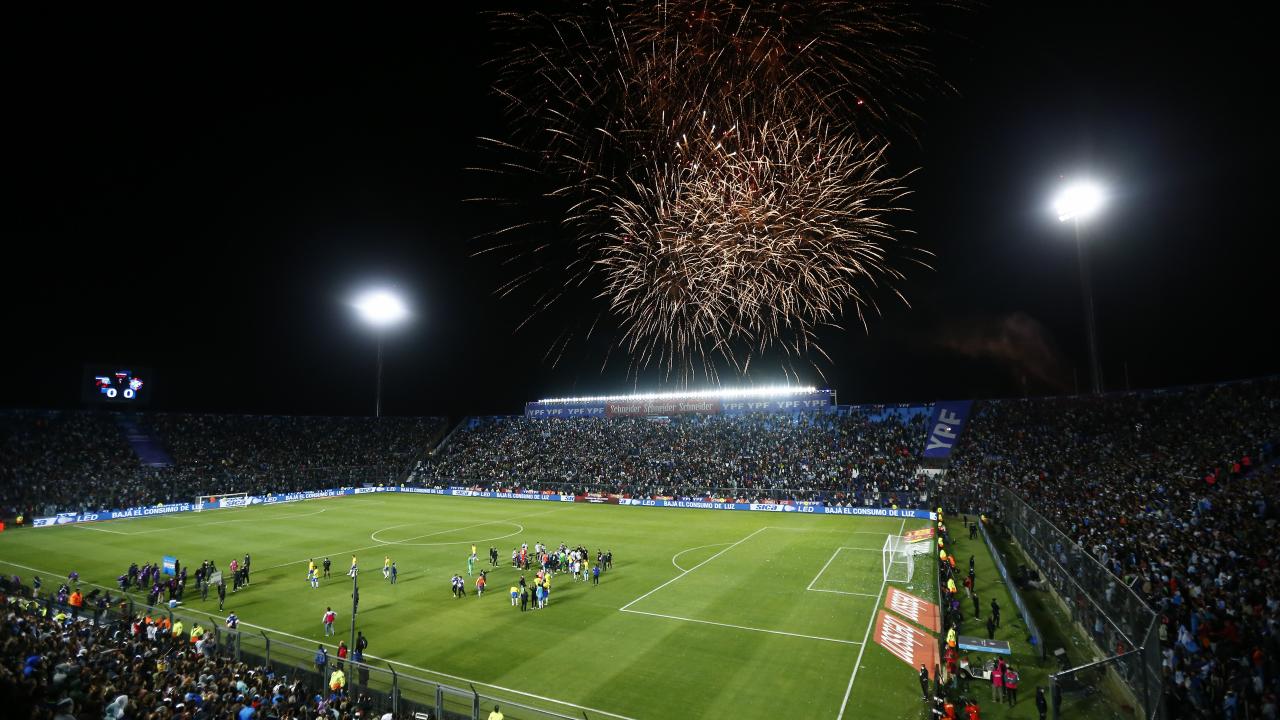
(199, 196)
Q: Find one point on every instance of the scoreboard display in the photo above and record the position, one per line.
(113, 385)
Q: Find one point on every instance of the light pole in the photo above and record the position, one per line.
(1077, 202)
(381, 309)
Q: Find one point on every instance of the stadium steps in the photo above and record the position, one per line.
(146, 446)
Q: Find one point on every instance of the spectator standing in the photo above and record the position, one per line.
(322, 660)
(1011, 686)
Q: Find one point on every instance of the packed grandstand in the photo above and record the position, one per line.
(1171, 491)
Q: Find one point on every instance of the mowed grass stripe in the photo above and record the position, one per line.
(581, 650)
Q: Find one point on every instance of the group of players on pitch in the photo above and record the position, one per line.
(576, 561)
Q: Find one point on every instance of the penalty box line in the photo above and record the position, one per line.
(695, 567)
(744, 627)
(858, 663)
(814, 581)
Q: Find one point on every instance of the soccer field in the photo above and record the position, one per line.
(704, 614)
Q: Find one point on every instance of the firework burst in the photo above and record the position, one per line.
(748, 241)
(722, 187)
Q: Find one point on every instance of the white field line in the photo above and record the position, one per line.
(384, 544)
(824, 569)
(695, 567)
(858, 663)
(437, 673)
(744, 627)
(371, 536)
(673, 557)
(844, 592)
(170, 528)
(825, 529)
(90, 527)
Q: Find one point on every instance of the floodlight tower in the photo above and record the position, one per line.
(382, 310)
(1078, 202)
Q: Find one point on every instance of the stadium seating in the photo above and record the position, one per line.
(55, 461)
(1174, 492)
(61, 668)
(842, 459)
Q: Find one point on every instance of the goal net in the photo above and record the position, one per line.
(225, 500)
(898, 560)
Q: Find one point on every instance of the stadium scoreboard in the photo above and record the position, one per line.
(115, 385)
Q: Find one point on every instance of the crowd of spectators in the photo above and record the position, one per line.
(849, 458)
(61, 461)
(56, 666)
(1173, 493)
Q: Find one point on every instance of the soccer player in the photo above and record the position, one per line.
(480, 583)
(232, 621)
(234, 567)
(313, 578)
(471, 561)
(386, 567)
(394, 572)
(354, 569)
(515, 595)
(329, 618)
(595, 575)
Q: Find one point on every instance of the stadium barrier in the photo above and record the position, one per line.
(814, 508)
(385, 688)
(1121, 627)
(1036, 639)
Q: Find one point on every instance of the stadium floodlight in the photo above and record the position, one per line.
(721, 394)
(1077, 202)
(381, 309)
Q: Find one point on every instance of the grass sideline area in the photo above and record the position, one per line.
(705, 613)
(1034, 672)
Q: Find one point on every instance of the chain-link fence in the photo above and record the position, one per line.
(1123, 647)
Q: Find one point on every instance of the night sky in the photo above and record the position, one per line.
(201, 195)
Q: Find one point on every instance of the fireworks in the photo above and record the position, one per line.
(726, 191)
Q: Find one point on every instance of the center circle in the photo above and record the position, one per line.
(374, 536)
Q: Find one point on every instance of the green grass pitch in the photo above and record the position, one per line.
(705, 614)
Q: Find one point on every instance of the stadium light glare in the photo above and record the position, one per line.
(1078, 201)
(723, 394)
(381, 308)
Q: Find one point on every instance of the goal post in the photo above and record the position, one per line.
(222, 500)
(897, 559)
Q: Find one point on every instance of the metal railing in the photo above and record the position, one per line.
(384, 688)
(1119, 624)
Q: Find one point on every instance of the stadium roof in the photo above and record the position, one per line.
(721, 394)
